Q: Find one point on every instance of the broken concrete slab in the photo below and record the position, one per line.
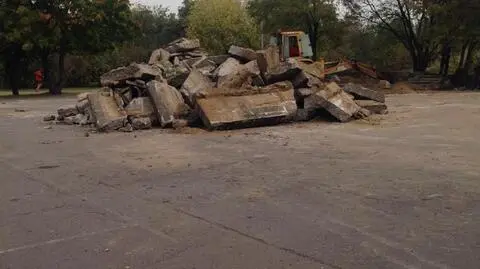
(183, 45)
(195, 82)
(243, 54)
(218, 59)
(303, 114)
(107, 115)
(229, 66)
(286, 71)
(67, 111)
(254, 69)
(128, 128)
(363, 93)
(119, 76)
(180, 123)
(49, 118)
(236, 79)
(82, 96)
(333, 99)
(82, 105)
(79, 118)
(142, 123)
(268, 59)
(68, 120)
(158, 56)
(140, 107)
(373, 106)
(231, 108)
(118, 99)
(167, 102)
(176, 75)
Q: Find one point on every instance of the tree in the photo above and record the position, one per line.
(416, 24)
(17, 32)
(83, 26)
(221, 23)
(156, 26)
(316, 17)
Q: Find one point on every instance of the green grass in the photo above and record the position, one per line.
(44, 93)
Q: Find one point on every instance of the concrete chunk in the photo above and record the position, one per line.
(254, 69)
(140, 107)
(82, 105)
(176, 75)
(229, 66)
(236, 79)
(167, 102)
(268, 59)
(67, 111)
(333, 99)
(363, 93)
(108, 116)
(195, 82)
(82, 96)
(119, 76)
(158, 56)
(243, 54)
(142, 123)
(218, 59)
(229, 108)
(183, 45)
(287, 71)
(384, 84)
(373, 106)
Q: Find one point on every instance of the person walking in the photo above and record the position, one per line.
(38, 79)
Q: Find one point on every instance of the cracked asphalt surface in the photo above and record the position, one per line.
(398, 191)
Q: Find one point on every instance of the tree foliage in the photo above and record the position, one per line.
(221, 23)
(316, 17)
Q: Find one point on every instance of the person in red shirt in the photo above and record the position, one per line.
(39, 79)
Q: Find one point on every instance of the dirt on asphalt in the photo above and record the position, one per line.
(397, 191)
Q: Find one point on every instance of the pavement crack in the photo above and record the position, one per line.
(257, 239)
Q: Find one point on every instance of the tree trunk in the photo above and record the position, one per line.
(420, 62)
(13, 75)
(47, 83)
(57, 88)
(12, 68)
(445, 61)
(462, 55)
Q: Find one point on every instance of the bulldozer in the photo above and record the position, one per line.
(297, 45)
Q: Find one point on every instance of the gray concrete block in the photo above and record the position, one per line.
(167, 102)
(230, 108)
(334, 100)
(108, 116)
(195, 82)
(243, 54)
(363, 93)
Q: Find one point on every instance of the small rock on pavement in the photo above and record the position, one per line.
(128, 128)
(142, 123)
(69, 120)
(49, 118)
(384, 84)
(373, 106)
(67, 111)
(363, 93)
(180, 123)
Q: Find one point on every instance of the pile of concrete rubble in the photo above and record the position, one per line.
(182, 86)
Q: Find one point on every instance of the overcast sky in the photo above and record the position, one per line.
(171, 4)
